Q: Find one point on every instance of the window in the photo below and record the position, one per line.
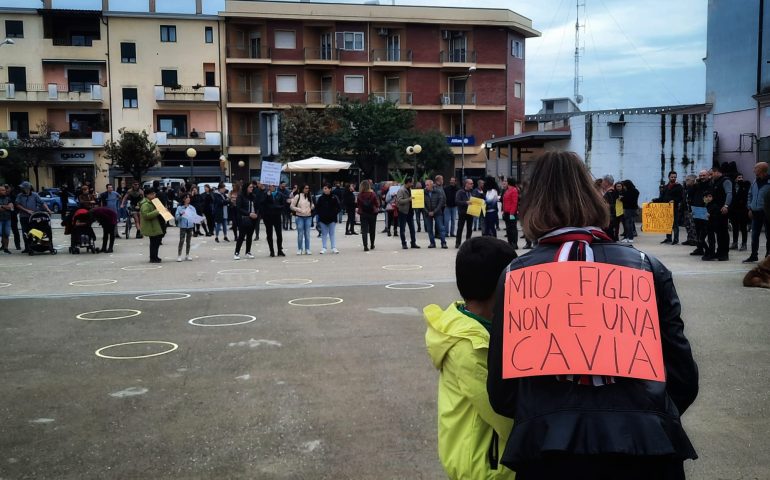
(82, 80)
(18, 77)
(168, 78)
(285, 39)
(210, 79)
(130, 98)
(516, 127)
(350, 40)
(208, 34)
(286, 83)
(14, 29)
(616, 130)
(168, 33)
(354, 84)
(127, 52)
(517, 89)
(173, 125)
(517, 49)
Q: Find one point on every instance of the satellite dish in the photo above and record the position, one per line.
(579, 99)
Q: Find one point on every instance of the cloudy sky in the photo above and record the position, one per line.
(636, 53)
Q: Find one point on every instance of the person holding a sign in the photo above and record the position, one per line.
(151, 223)
(406, 213)
(587, 350)
(464, 221)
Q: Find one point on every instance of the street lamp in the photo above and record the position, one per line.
(191, 153)
(414, 150)
(7, 41)
(471, 69)
(3, 153)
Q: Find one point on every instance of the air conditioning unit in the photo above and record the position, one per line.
(383, 32)
(379, 99)
(55, 136)
(446, 100)
(445, 34)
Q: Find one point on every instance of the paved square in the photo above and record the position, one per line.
(296, 367)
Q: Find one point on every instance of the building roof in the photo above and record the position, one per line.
(678, 109)
(529, 139)
(492, 17)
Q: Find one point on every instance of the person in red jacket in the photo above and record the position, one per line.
(511, 212)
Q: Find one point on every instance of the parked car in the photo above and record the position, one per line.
(50, 197)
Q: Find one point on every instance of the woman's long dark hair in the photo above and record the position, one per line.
(561, 194)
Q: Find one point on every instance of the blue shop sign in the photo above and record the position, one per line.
(457, 140)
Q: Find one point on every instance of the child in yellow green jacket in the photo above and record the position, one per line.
(470, 433)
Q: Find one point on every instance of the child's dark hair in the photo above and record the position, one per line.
(478, 266)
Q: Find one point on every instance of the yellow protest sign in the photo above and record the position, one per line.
(418, 198)
(657, 217)
(475, 206)
(162, 210)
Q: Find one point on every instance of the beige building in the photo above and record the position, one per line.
(89, 74)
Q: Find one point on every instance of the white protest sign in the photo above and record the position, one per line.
(271, 173)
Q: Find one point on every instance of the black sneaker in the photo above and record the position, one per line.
(696, 252)
(668, 240)
(751, 259)
(675, 242)
(404, 247)
(414, 245)
(723, 258)
(432, 245)
(5, 250)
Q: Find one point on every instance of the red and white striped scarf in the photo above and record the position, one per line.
(575, 245)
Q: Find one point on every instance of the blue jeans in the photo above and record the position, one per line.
(303, 232)
(439, 220)
(328, 230)
(403, 220)
(5, 228)
(450, 215)
(220, 226)
(629, 216)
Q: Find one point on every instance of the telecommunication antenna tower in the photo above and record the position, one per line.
(579, 4)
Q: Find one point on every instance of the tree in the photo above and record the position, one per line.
(134, 153)
(305, 133)
(374, 133)
(35, 151)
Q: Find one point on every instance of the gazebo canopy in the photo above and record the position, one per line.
(316, 164)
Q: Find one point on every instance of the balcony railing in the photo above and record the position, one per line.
(195, 93)
(458, 98)
(52, 92)
(323, 53)
(399, 98)
(354, 97)
(243, 139)
(203, 138)
(326, 97)
(459, 55)
(245, 51)
(249, 96)
(391, 55)
(75, 41)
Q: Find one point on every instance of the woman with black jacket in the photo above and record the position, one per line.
(327, 207)
(272, 209)
(349, 200)
(630, 199)
(584, 426)
(208, 209)
(247, 213)
(198, 202)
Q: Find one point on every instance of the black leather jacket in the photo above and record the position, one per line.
(631, 416)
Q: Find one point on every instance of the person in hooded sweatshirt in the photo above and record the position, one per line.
(470, 433)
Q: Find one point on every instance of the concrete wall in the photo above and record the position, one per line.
(651, 146)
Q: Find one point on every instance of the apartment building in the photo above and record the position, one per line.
(447, 64)
(56, 72)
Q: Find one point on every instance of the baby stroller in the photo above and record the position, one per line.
(40, 235)
(81, 233)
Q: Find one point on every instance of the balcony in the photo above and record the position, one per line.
(457, 58)
(163, 139)
(452, 100)
(322, 56)
(321, 97)
(243, 144)
(74, 139)
(354, 97)
(399, 98)
(391, 57)
(242, 53)
(52, 92)
(250, 98)
(186, 94)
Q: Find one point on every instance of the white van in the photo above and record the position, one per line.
(174, 183)
(213, 185)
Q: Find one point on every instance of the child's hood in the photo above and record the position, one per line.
(447, 327)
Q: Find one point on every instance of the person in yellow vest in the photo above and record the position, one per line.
(470, 433)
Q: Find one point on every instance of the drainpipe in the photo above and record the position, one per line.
(151, 8)
(759, 74)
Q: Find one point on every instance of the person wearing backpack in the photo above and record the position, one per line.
(368, 207)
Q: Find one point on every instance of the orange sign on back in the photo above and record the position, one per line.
(581, 318)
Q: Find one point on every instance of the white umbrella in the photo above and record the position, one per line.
(316, 164)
